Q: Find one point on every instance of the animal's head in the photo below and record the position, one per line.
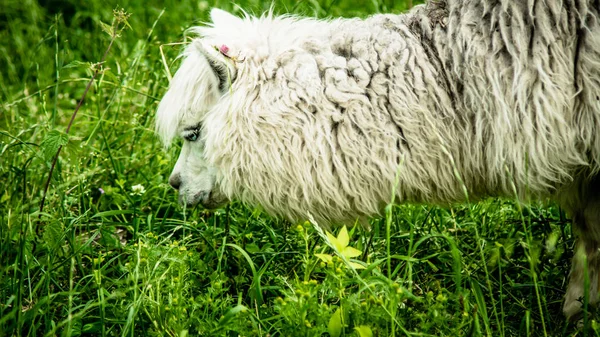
(257, 124)
(204, 77)
(205, 93)
(224, 88)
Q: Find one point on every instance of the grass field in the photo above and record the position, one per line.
(105, 258)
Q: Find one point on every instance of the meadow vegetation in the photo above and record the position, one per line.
(112, 254)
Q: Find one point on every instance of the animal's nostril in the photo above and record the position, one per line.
(175, 181)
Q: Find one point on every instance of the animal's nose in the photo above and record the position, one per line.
(175, 180)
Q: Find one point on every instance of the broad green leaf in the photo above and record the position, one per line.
(356, 265)
(343, 238)
(350, 252)
(363, 331)
(252, 248)
(334, 241)
(325, 257)
(53, 140)
(335, 324)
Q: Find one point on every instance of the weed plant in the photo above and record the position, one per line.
(112, 254)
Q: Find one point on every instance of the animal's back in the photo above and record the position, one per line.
(523, 79)
(495, 96)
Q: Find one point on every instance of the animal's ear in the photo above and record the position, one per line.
(222, 18)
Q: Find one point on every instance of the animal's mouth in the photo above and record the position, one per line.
(191, 201)
(207, 200)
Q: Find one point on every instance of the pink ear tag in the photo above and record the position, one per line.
(224, 50)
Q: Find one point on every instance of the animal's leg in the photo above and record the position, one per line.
(587, 255)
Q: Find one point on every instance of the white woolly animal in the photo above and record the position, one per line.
(329, 118)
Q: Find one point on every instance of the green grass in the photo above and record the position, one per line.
(122, 263)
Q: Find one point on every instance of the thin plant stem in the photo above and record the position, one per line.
(114, 36)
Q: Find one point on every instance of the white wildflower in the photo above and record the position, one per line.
(138, 189)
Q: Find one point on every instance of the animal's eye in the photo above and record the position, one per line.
(192, 135)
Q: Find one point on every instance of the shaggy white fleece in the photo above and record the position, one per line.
(456, 99)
